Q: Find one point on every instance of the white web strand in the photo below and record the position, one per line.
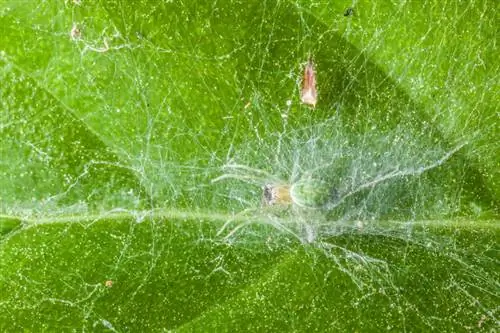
(401, 173)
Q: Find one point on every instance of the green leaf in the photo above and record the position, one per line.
(137, 139)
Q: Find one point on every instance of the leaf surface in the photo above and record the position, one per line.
(137, 138)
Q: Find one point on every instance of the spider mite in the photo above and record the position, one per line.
(276, 195)
(308, 94)
(349, 12)
(75, 32)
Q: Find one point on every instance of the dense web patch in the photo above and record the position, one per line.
(342, 178)
(366, 162)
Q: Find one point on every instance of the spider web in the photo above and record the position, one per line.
(199, 119)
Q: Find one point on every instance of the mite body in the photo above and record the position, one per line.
(349, 12)
(314, 194)
(308, 94)
(276, 195)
